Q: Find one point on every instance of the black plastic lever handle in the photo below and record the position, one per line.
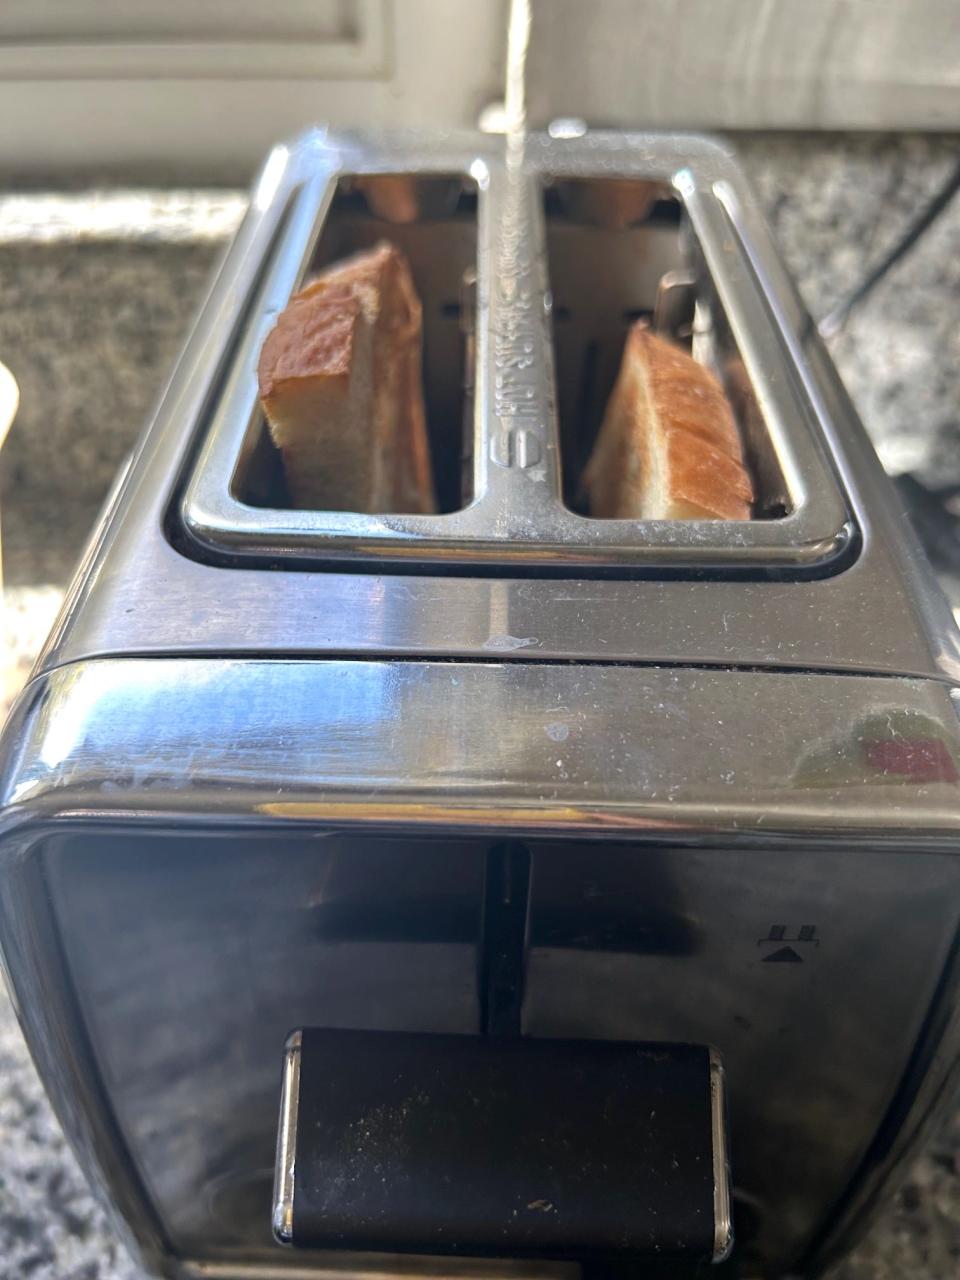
(502, 1147)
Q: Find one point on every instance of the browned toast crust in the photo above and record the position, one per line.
(669, 446)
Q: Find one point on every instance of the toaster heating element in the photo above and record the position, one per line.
(479, 854)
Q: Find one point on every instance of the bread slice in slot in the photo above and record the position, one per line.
(668, 447)
(340, 378)
(612, 203)
(393, 197)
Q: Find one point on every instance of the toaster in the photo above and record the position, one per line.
(501, 891)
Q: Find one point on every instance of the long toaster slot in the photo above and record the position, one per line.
(436, 232)
(622, 253)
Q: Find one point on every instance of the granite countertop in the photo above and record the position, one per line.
(99, 290)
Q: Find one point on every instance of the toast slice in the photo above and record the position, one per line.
(668, 448)
(613, 203)
(340, 381)
(393, 197)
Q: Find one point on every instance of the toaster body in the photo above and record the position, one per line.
(694, 784)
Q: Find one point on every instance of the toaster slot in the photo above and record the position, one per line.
(620, 252)
(432, 221)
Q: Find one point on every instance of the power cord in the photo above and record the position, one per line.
(833, 322)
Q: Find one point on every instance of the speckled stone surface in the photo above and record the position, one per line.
(50, 1226)
(836, 206)
(91, 329)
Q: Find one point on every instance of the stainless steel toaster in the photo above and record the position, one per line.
(395, 894)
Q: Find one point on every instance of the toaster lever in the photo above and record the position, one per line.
(509, 1147)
